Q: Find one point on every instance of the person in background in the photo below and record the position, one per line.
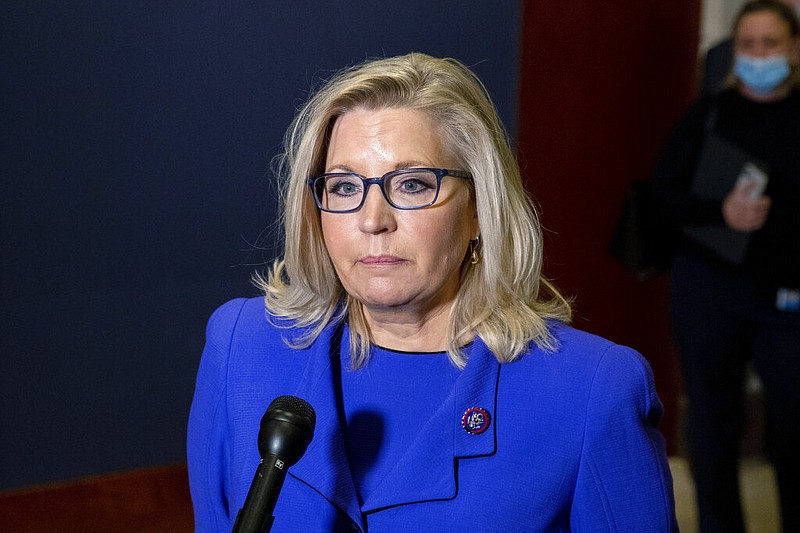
(727, 313)
(717, 63)
(410, 311)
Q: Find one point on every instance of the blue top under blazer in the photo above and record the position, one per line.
(572, 443)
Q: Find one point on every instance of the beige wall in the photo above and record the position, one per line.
(716, 19)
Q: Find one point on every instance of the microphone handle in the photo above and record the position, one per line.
(256, 514)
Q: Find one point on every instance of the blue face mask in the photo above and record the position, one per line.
(761, 75)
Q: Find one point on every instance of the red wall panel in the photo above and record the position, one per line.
(601, 86)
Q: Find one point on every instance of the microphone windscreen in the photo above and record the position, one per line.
(287, 429)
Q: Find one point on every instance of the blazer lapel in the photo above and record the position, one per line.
(324, 466)
(427, 470)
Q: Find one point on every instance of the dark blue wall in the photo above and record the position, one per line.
(136, 194)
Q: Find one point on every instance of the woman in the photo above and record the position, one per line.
(728, 309)
(410, 311)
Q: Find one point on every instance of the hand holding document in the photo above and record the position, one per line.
(745, 209)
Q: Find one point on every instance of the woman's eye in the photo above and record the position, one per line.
(412, 185)
(344, 188)
(415, 184)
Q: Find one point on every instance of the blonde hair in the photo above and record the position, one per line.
(503, 299)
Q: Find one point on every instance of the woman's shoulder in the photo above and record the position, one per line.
(584, 370)
(242, 339)
(573, 341)
(243, 326)
(245, 313)
(584, 355)
(793, 100)
(228, 313)
(611, 369)
(695, 118)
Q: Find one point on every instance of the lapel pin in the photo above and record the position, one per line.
(475, 420)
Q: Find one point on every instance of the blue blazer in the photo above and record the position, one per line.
(571, 445)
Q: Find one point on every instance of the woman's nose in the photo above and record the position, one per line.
(764, 49)
(376, 215)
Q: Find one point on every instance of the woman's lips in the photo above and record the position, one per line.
(381, 260)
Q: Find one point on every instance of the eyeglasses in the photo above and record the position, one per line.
(408, 188)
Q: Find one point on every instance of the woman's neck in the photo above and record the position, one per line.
(409, 330)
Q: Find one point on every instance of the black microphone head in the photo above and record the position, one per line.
(286, 429)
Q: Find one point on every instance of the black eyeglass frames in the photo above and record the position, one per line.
(408, 188)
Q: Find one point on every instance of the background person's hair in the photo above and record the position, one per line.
(785, 13)
(504, 298)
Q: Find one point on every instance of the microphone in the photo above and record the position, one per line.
(286, 431)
